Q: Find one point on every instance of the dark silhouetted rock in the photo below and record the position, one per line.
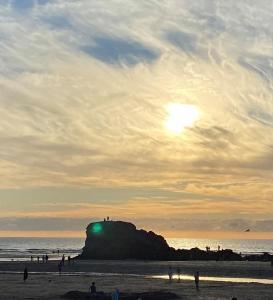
(121, 240)
(116, 240)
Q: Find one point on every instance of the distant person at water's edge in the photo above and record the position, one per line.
(178, 273)
(63, 259)
(25, 274)
(196, 280)
(60, 267)
(170, 274)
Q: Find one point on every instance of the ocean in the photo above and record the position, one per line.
(21, 249)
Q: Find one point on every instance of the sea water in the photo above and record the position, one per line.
(24, 248)
(20, 249)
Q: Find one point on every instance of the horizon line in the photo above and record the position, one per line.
(265, 235)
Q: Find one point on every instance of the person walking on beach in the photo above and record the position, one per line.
(196, 280)
(170, 274)
(25, 274)
(178, 273)
(60, 268)
(63, 259)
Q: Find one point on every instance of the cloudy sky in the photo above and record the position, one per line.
(157, 112)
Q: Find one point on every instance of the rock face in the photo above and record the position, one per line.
(121, 240)
(118, 240)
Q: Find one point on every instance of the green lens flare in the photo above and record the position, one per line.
(96, 228)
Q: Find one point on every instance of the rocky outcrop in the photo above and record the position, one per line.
(121, 240)
(116, 240)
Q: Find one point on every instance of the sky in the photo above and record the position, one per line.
(154, 112)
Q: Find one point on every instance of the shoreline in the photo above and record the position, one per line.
(185, 277)
(228, 269)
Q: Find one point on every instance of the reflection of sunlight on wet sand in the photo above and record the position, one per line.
(219, 279)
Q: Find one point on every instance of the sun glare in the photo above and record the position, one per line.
(180, 116)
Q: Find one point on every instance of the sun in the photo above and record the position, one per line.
(180, 116)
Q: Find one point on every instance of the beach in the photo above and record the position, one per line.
(44, 281)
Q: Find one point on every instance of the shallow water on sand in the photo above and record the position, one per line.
(219, 279)
(165, 277)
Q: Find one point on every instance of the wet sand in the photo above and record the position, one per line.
(45, 283)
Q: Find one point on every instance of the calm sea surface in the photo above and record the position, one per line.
(23, 248)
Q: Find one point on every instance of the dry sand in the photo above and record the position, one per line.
(44, 285)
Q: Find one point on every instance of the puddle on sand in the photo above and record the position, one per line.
(218, 279)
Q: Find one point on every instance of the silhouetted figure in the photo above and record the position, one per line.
(63, 259)
(58, 251)
(93, 288)
(38, 259)
(60, 268)
(25, 274)
(196, 280)
(219, 248)
(108, 219)
(46, 258)
(69, 259)
(115, 295)
(178, 273)
(31, 258)
(170, 274)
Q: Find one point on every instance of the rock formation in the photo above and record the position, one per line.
(119, 240)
